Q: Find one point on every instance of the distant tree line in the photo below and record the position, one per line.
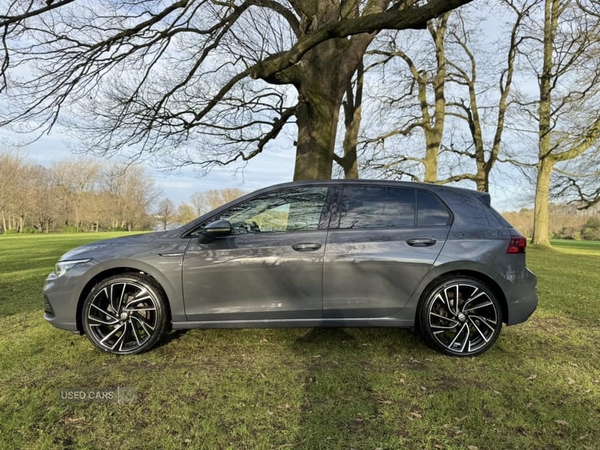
(85, 194)
(80, 194)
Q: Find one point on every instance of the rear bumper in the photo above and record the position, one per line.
(520, 310)
(523, 299)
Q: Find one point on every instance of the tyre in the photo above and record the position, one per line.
(460, 316)
(125, 314)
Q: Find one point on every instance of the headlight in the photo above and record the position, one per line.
(62, 266)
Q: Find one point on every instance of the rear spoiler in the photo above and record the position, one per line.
(487, 199)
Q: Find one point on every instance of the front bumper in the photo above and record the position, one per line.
(61, 299)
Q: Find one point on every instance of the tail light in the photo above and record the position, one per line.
(517, 244)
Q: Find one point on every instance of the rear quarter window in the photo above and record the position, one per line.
(470, 209)
(431, 211)
(500, 218)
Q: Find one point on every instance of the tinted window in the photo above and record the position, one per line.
(431, 211)
(377, 207)
(297, 209)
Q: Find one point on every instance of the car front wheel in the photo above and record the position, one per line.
(460, 316)
(125, 314)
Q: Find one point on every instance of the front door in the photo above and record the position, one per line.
(271, 267)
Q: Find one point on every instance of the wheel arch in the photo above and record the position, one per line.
(471, 273)
(109, 272)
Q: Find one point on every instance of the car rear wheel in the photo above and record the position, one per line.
(460, 316)
(125, 314)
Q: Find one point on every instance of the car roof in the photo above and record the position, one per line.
(391, 183)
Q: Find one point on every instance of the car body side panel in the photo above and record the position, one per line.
(479, 235)
(373, 272)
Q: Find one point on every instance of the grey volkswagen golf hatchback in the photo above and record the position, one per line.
(307, 254)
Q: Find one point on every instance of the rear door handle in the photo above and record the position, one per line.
(421, 242)
(306, 246)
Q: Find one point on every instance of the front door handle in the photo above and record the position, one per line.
(306, 246)
(421, 242)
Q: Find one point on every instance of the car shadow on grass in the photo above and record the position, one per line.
(169, 337)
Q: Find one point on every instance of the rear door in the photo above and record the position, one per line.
(381, 243)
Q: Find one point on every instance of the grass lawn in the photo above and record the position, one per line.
(538, 387)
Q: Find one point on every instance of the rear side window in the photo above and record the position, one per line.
(377, 207)
(431, 211)
(500, 218)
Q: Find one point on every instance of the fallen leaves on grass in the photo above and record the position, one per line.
(74, 419)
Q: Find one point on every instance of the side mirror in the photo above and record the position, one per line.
(217, 229)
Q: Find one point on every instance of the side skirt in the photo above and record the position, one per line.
(296, 323)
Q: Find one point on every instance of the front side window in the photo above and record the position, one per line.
(295, 209)
(377, 207)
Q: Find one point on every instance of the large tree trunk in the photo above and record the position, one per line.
(482, 177)
(431, 158)
(321, 79)
(482, 184)
(352, 119)
(317, 118)
(545, 161)
(541, 210)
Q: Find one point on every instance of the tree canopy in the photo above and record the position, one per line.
(194, 81)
